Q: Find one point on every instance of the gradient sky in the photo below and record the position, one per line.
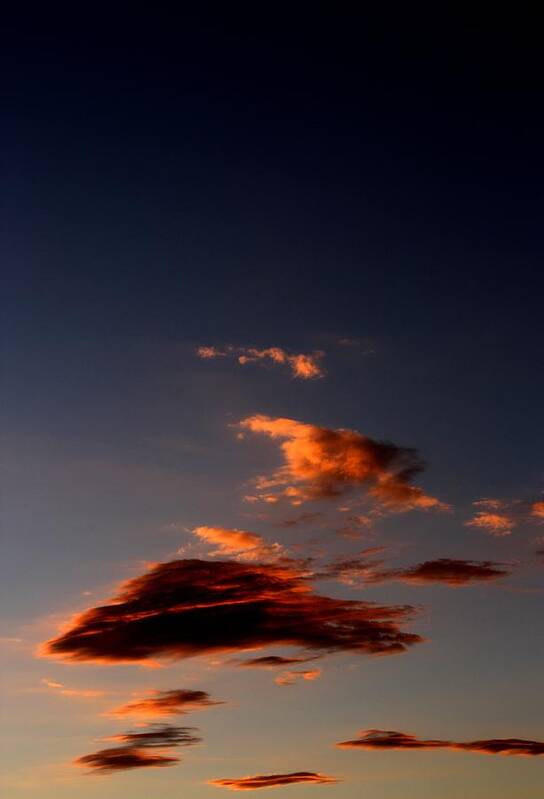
(366, 189)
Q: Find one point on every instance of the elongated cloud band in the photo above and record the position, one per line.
(192, 607)
(320, 463)
(139, 750)
(305, 366)
(274, 781)
(390, 739)
(454, 573)
(165, 703)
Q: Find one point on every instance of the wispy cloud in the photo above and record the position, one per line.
(319, 463)
(305, 366)
(447, 571)
(78, 693)
(242, 543)
(391, 739)
(155, 704)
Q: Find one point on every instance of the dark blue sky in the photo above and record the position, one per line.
(173, 180)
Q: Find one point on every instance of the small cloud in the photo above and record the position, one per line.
(78, 693)
(390, 739)
(274, 781)
(496, 524)
(272, 662)
(165, 703)
(291, 677)
(245, 544)
(305, 366)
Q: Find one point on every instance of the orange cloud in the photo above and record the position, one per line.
(165, 703)
(274, 781)
(321, 463)
(537, 510)
(291, 677)
(249, 546)
(305, 366)
(497, 524)
(390, 739)
(192, 607)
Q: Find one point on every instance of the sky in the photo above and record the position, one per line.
(273, 494)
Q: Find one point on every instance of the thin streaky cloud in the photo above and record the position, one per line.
(391, 739)
(274, 781)
(155, 704)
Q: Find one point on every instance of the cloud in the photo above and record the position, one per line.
(274, 781)
(158, 735)
(80, 693)
(134, 751)
(165, 703)
(246, 545)
(305, 366)
(499, 517)
(291, 677)
(497, 524)
(192, 607)
(320, 463)
(122, 758)
(446, 571)
(390, 739)
(271, 662)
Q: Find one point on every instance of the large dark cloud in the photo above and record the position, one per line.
(443, 570)
(165, 703)
(390, 739)
(193, 607)
(274, 780)
(139, 750)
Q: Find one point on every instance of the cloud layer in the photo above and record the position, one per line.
(192, 607)
(390, 739)
(320, 463)
(274, 781)
(165, 703)
(305, 366)
(139, 750)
